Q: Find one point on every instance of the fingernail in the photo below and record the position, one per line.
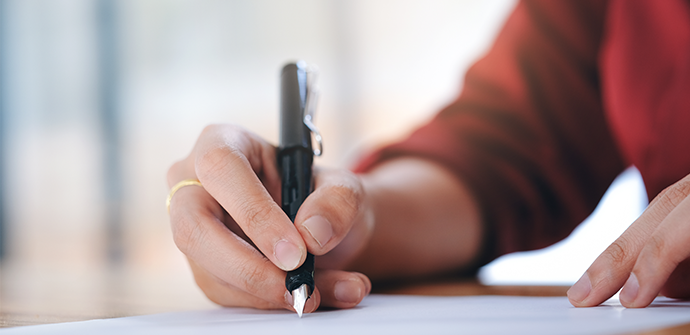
(630, 289)
(287, 254)
(581, 289)
(348, 291)
(319, 228)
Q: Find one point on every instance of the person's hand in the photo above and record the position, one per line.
(649, 258)
(239, 242)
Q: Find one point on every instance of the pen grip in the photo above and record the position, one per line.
(296, 174)
(302, 275)
(295, 169)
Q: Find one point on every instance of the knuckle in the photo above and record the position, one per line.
(256, 217)
(217, 160)
(347, 194)
(210, 129)
(674, 194)
(187, 233)
(248, 275)
(618, 252)
(658, 254)
(656, 246)
(215, 130)
(345, 203)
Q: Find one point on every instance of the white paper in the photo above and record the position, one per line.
(564, 263)
(397, 314)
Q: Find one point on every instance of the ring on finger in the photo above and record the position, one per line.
(179, 185)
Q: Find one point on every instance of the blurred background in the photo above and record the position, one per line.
(100, 97)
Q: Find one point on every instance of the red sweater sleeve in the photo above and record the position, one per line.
(528, 135)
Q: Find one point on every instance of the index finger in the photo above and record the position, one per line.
(612, 268)
(227, 164)
(201, 235)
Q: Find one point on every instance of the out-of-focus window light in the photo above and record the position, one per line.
(386, 66)
(564, 262)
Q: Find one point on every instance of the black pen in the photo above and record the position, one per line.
(295, 158)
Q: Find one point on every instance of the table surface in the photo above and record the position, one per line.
(31, 296)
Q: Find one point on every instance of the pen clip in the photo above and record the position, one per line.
(310, 107)
(315, 132)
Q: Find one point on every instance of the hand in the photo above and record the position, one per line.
(650, 257)
(239, 242)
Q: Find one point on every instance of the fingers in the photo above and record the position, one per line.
(211, 246)
(341, 289)
(662, 253)
(334, 288)
(655, 234)
(328, 214)
(237, 238)
(228, 164)
(225, 294)
(231, 273)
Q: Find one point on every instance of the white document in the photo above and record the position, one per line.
(397, 314)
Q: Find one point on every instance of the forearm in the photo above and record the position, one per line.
(426, 221)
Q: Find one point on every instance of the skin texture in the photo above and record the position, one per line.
(648, 259)
(407, 218)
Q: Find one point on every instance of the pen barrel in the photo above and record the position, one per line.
(293, 100)
(296, 178)
(295, 154)
(295, 158)
(296, 173)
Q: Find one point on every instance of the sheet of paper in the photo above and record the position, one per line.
(390, 314)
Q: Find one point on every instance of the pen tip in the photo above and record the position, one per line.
(299, 298)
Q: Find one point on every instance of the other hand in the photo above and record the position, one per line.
(650, 258)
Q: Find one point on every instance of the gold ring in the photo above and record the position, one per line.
(186, 182)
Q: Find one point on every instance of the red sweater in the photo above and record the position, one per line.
(571, 93)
